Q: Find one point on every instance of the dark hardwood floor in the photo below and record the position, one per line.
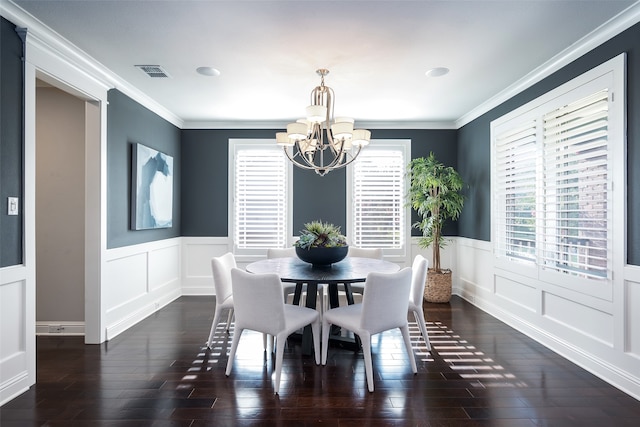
(480, 373)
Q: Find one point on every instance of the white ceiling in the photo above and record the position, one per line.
(377, 51)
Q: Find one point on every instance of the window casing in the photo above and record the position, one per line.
(557, 214)
(376, 189)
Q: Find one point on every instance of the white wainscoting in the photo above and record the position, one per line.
(447, 256)
(601, 336)
(140, 280)
(197, 278)
(197, 252)
(16, 325)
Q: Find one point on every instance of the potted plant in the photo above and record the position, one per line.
(321, 244)
(435, 193)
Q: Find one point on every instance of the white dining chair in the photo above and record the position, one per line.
(375, 253)
(287, 288)
(419, 270)
(259, 307)
(384, 306)
(290, 288)
(221, 268)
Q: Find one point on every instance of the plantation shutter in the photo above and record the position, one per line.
(378, 205)
(577, 197)
(515, 191)
(260, 199)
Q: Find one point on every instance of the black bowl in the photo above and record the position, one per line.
(322, 256)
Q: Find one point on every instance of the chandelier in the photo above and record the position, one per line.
(318, 144)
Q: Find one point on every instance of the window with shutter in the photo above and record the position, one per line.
(260, 196)
(376, 190)
(554, 204)
(576, 199)
(515, 191)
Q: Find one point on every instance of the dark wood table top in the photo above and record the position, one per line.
(349, 270)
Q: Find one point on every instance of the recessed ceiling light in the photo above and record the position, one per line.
(437, 72)
(208, 71)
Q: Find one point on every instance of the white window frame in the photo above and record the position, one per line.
(608, 76)
(234, 146)
(399, 254)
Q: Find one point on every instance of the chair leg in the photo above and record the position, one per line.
(419, 316)
(325, 340)
(234, 346)
(321, 289)
(407, 343)
(216, 318)
(280, 340)
(229, 317)
(315, 328)
(368, 366)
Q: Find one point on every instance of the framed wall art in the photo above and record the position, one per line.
(152, 188)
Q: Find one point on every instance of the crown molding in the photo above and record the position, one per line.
(47, 40)
(603, 33)
(282, 125)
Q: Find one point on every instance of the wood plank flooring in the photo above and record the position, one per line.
(480, 373)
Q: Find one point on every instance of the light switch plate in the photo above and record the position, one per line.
(12, 205)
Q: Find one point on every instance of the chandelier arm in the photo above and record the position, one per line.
(303, 156)
(329, 118)
(296, 162)
(352, 158)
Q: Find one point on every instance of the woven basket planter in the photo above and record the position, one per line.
(438, 286)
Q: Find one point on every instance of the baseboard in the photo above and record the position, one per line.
(14, 387)
(51, 327)
(143, 312)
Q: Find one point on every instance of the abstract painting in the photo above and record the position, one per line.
(152, 188)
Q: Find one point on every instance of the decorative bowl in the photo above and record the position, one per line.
(322, 257)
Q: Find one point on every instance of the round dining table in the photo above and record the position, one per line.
(349, 270)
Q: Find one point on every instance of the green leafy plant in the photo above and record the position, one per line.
(435, 193)
(318, 234)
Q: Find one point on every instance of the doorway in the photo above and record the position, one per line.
(68, 214)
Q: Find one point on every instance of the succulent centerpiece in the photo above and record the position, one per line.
(321, 244)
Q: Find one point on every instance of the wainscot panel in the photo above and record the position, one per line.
(580, 318)
(197, 278)
(163, 268)
(141, 279)
(517, 292)
(632, 312)
(474, 267)
(127, 279)
(14, 374)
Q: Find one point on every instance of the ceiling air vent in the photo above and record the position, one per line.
(154, 71)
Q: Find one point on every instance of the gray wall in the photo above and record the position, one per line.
(474, 140)
(128, 122)
(11, 137)
(204, 190)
